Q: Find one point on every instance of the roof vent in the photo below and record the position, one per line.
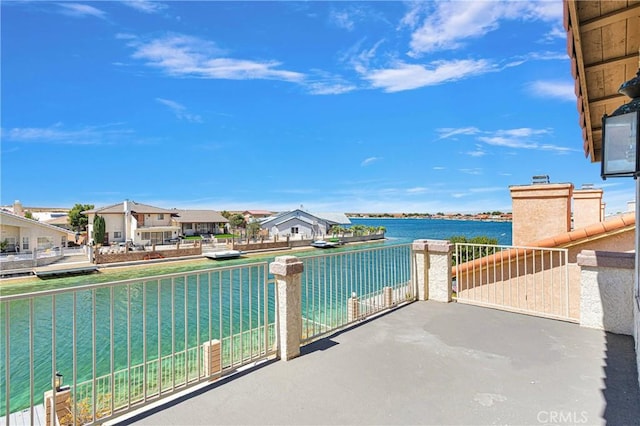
(539, 179)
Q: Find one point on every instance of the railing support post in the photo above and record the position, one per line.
(388, 297)
(433, 269)
(212, 358)
(288, 275)
(353, 308)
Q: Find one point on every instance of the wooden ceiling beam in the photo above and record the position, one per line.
(628, 60)
(605, 100)
(610, 18)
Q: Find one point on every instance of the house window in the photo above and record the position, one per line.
(44, 243)
(160, 216)
(25, 243)
(188, 226)
(294, 230)
(117, 235)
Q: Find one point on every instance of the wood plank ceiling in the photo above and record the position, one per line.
(603, 38)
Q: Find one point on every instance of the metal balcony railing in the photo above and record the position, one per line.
(531, 280)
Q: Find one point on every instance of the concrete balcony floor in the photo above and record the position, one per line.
(431, 363)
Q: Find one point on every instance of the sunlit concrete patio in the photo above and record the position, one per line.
(430, 363)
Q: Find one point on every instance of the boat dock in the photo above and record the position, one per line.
(23, 417)
(61, 272)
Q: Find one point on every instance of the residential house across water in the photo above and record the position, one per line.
(148, 225)
(301, 223)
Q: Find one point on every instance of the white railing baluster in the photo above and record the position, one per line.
(137, 375)
(532, 268)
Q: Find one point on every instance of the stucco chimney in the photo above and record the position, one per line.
(17, 208)
(540, 210)
(587, 206)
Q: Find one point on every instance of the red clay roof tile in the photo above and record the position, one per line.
(615, 224)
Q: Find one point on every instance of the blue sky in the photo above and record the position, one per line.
(336, 106)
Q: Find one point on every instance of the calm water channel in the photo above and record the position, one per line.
(128, 324)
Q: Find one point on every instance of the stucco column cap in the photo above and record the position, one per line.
(606, 259)
(437, 246)
(286, 265)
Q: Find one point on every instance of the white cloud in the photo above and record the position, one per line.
(402, 76)
(56, 134)
(413, 16)
(448, 24)
(517, 138)
(417, 190)
(81, 10)
(328, 84)
(475, 171)
(477, 153)
(483, 190)
(342, 19)
(145, 6)
(554, 33)
(448, 132)
(553, 89)
(180, 110)
(523, 132)
(186, 56)
(507, 142)
(522, 138)
(369, 161)
(324, 88)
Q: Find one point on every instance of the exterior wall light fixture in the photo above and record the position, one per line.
(621, 135)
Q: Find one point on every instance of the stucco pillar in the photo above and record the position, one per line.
(540, 211)
(288, 275)
(606, 291)
(587, 207)
(353, 308)
(388, 297)
(433, 269)
(212, 355)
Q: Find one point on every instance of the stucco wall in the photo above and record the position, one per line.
(114, 224)
(607, 300)
(587, 207)
(621, 242)
(636, 332)
(101, 258)
(9, 265)
(540, 211)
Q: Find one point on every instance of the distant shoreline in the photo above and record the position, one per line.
(460, 218)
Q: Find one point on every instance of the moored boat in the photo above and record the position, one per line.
(324, 244)
(223, 254)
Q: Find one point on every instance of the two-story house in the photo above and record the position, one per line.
(145, 224)
(135, 222)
